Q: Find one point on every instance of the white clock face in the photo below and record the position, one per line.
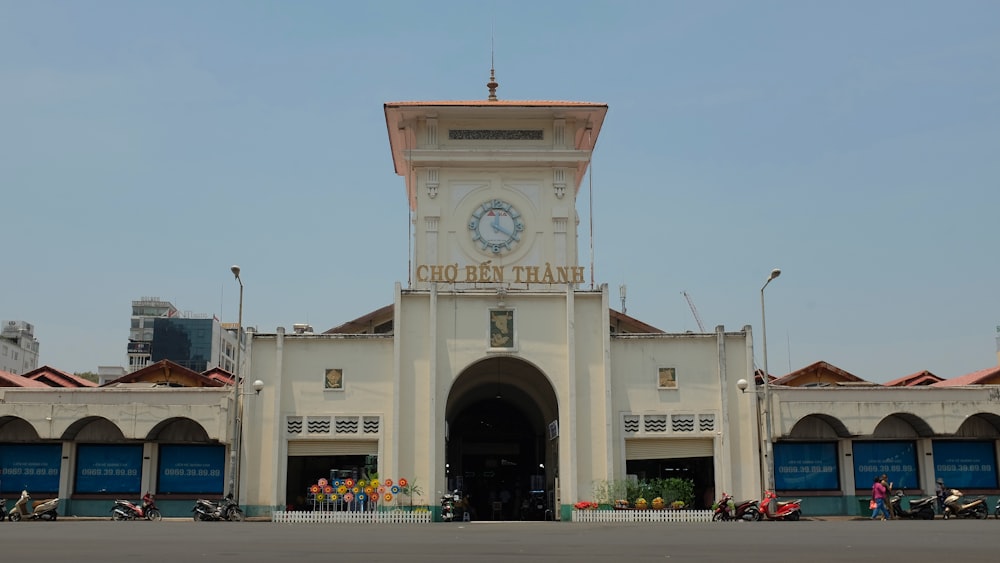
(496, 226)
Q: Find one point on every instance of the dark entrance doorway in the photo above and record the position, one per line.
(496, 456)
(498, 452)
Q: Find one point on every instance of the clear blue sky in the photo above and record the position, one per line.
(147, 146)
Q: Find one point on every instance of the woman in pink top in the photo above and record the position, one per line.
(879, 496)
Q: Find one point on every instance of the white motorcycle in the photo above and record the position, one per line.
(25, 508)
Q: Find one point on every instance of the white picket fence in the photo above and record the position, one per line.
(623, 516)
(346, 517)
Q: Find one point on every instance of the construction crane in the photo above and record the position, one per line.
(694, 311)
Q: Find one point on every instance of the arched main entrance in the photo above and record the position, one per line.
(499, 450)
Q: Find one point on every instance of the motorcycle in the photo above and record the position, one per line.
(448, 502)
(40, 510)
(954, 506)
(225, 509)
(773, 509)
(126, 510)
(996, 511)
(920, 509)
(726, 509)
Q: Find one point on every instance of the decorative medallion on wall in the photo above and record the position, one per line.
(501, 328)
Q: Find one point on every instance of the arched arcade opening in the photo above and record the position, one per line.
(502, 441)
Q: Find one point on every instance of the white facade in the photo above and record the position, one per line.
(500, 365)
(499, 327)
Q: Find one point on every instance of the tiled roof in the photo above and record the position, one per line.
(923, 377)
(988, 376)
(487, 103)
(842, 375)
(53, 377)
(8, 379)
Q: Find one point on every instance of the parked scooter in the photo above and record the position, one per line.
(773, 509)
(996, 511)
(25, 508)
(225, 509)
(3, 509)
(448, 502)
(534, 507)
(727, 509)
(126, 510)
(920, 509)
(956, 507)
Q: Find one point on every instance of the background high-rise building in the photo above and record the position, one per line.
(159, 331)
(18, 347)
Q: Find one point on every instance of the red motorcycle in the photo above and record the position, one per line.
(726, 509)
(126, 510)
(773, 509)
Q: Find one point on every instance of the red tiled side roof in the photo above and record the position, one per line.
(487, 103)
(923, 377)
(842, 375)
(57, 378)
(8, 379)
(988, 376)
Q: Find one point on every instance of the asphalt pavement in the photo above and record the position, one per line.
(835, 539)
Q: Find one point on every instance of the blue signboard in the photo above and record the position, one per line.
(897, 460)
(191, 469)
(806, 466)
(108, 468)
(34, 467)
(965, 465)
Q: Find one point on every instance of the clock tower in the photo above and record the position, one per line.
(492, 187)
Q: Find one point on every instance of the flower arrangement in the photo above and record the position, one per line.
(677, 505)
(585, 505)
(658, 503)
(621, 503)
(641, 503)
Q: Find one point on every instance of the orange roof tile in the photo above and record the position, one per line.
(988, 376)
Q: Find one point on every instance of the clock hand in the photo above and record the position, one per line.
(501, 229)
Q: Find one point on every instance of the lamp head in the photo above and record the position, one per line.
(742, 385)
(774, 273)
(257, 386)
(236, 271)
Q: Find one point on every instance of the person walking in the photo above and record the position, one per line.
(888, 492)
(879, 497)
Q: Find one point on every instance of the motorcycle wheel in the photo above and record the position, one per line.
(154, 515)
(234, 515)
(996, 513)
(926, 514)
(117, 516)
(15, 516)
(719, 516)
(793, 517)
(981, 512)
(197, 517)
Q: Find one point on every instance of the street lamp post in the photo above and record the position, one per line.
(234, 445)
(768, 440)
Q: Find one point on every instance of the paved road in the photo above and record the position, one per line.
(813, 541)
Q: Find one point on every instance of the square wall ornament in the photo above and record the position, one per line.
(334, 379)
(501, 328)
(667, 378)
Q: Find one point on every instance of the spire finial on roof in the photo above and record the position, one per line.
(492, 84)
